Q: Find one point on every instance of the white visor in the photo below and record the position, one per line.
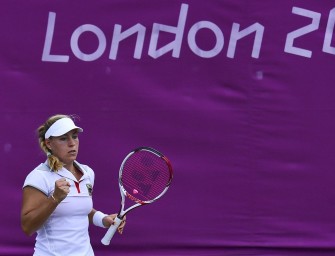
(60, 127)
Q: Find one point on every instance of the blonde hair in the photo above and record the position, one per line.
(54, 163)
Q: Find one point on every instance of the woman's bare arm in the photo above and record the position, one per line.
(36, 209)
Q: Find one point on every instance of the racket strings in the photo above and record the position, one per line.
(145, 185)
(145, 175)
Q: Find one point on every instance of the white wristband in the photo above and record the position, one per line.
(97, 219)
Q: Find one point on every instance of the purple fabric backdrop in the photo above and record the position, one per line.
(238, 94)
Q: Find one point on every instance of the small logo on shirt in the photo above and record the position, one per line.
(89, 189)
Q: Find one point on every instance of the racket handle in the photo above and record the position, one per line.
(111, 231)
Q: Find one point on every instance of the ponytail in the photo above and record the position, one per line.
(54, 163)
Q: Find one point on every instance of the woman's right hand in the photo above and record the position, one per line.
(62, 189)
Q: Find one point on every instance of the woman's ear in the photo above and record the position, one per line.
(47, 143)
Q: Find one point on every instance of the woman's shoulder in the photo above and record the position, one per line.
(41, 169)
(85, 168)
(39, 178)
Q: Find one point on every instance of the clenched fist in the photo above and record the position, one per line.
(62, 189)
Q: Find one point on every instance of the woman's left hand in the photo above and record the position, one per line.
(109, 220)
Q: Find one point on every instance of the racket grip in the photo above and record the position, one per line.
(111, 231)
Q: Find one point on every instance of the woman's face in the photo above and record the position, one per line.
(65, 147)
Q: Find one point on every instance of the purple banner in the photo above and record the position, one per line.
(238, 94)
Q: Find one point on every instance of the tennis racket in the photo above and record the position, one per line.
(145, 175)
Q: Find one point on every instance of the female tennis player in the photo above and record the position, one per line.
(57, 194)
